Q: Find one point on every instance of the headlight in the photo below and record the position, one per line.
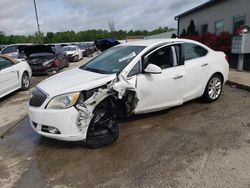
(47, 62)
(63, 101)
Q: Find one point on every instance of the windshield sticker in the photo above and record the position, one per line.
(133, 54)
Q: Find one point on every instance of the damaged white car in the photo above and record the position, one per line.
(85, 104)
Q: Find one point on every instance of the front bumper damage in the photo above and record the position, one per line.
(72, 123)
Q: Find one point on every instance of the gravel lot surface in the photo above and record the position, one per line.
(194, 145)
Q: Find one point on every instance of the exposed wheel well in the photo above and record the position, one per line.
(26, 73)
(124, 106)
(219, 74)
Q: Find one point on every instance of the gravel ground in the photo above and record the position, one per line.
(194, 145)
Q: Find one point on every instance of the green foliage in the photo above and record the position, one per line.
(191, 30)
(183, 33)
(72, 36)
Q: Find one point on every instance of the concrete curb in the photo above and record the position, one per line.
(9, 126)
(238, 85)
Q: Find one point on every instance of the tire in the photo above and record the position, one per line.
(25, 81)
(53, 71)
(67, 64)
(76, 58)
(213, 88)
(103, 129)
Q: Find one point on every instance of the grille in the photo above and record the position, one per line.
(37, 98)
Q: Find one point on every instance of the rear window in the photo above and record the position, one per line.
(192, 51)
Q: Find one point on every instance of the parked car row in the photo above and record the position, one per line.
(14, 75)
(19, 62)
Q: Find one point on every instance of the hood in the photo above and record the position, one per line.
(38, 49)
(74, 80)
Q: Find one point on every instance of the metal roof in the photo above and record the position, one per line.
(204, 5)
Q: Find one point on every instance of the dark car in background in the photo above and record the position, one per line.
(46, 59)
(84, 49)
(15, 51)
(104, 44)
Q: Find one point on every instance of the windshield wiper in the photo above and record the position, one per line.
(96, 70)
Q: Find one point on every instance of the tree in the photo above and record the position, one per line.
(191, 30)
(49, 37)
(183, 33)
(38, 38)
(2, 37)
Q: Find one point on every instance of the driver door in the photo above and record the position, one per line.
(163, 90)
(8, 76)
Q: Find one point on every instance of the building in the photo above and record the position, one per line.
(216, 16)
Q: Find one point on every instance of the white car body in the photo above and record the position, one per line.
(74, 51)
(11, 77)
(170, 87)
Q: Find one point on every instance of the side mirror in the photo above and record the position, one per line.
(152, 69)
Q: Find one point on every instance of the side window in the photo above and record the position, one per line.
(162, 57)
(4, 63)
(192, 51)
(135, 70)
(9, 49)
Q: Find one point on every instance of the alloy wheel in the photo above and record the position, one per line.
(214, 88)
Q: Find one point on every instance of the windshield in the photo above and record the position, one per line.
(69, 48)
(113, 60)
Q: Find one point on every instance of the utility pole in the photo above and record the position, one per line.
(38, 26)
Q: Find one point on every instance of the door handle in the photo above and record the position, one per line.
(205, 64)
(178, 76)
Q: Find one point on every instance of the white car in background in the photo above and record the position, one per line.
(73, 52)
(131, 78)
(14, 75)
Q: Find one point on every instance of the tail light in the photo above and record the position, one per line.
(56, 62)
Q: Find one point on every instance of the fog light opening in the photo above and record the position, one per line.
(53, 130)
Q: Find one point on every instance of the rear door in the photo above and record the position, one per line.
(9, 78)
(196, 65)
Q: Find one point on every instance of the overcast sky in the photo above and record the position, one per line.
(18, 16)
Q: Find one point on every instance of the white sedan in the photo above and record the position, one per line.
(132, 78)
(73, 52)
(13, 75)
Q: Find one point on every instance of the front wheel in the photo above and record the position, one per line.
(76, 58)
(103, 129)
(213, 89)
(25, 81)
(53, 71)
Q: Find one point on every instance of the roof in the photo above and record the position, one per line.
(155, 42)
(202, 6)
(145, 42)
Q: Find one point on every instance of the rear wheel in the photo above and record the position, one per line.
(213, 89)
(103, 129)
(25, 81)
